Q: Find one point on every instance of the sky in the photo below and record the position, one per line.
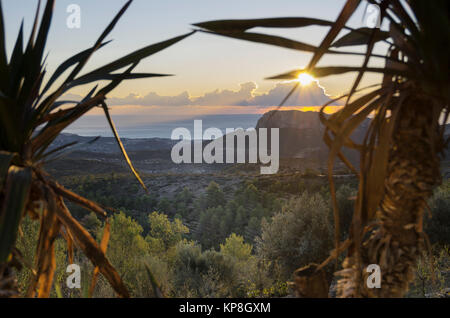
(213, 74)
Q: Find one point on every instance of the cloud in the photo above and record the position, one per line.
(311, 95)
(226, 97)
(152, 99)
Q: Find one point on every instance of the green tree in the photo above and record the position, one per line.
(203, 274)
(126, 251)
(26, 244)
(301, 233)
(91, 223)
(234, 246)
(208, 229)
(167, 232)
(437, 226)
(253, 229)
(214, 196)
(165, 206)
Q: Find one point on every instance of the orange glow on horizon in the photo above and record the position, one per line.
(328, 109)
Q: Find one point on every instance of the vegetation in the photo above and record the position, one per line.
(399, 162)
(31, 117)
(186, 264)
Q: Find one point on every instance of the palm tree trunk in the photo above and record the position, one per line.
(413, 171)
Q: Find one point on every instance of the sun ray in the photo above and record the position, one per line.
(305, 79)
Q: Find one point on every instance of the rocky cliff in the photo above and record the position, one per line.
(301, 137)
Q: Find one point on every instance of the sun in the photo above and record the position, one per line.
(305, 79)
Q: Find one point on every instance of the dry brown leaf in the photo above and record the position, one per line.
(92, 250)
(103, 247)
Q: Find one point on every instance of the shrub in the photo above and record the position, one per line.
(235, 247)
(167, 232)
(298, 235)
(437, 227)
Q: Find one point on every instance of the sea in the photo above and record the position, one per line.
(98, 126)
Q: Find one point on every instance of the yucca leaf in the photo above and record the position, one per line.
(17, 187)
(288, 95)
(45, 254)
(104, 73)
(334, 70)
(335, 149)
(33, 64)
(63, 102)
(403, 16)
(371, 40)
(280, 42)
(41, 281)
(3, 58)
(156, 289)
(92, 250)
(403, 42)
(97, 44)
(242, 25)
(122, 148)
(329, 142)
(89, 94)
(113, 22)
(5, 161)
(8, 130)
(351, 108)
(116, 82)
(77, 58)
(347, 11)
(17, 52)
(75, 198)
(23, 114)
(15, 65)
(58, 114)
(103, 247)
(267, 39)
(44, 28)
(359, 37)
(138, 55)
(43, 108)
(69, 240)
(53, 128)
(89, 78)
(81, 61)
(60, 103)
(59, 153)
(35, 24)
(377, 171)
(346, 129)
(56, 150)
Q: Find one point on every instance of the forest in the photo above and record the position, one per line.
(225, 242)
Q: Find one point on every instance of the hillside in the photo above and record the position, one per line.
(301, 138)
